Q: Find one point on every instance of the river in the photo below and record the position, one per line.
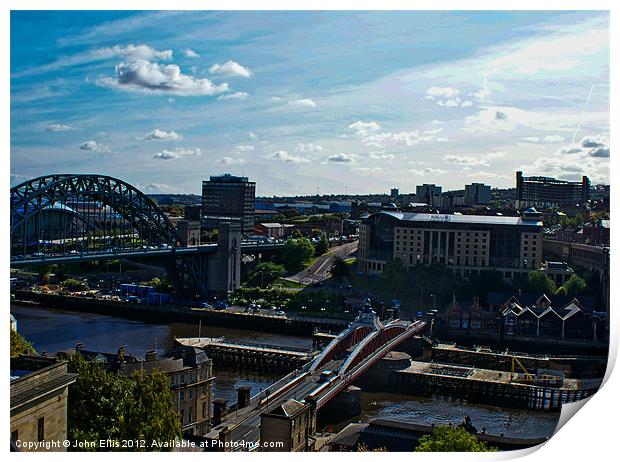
(52, 330)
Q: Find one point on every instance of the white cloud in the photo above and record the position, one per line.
(445, 96)
(380, 155)
(286, 157)
(366, 171)
(157, 188)
(230, 161)
(467, 104)
(275, 99)
(363, 129)
(161, 135)
(128, 52)
(189, 53)
(304, 102)
(342, 158)
(59, 128)
(544, 139)
(93, 146)
(240, 95)
(230, 69)
(148, 77)
(178, 153)
(427, 171)
(133, 52)
(308, 147)
(469, 161)
(442, 92)
(244, 147)
(590, 146)
(252, 135)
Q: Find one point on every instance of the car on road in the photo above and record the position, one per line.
(280, 313)
(38, 254)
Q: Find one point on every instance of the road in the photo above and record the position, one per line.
(320, 269)
(249, 430)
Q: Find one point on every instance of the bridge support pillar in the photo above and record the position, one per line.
(345, 404)
(219, 409)
(224, 268)
(243, 396)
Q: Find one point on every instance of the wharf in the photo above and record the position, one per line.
(490, 386)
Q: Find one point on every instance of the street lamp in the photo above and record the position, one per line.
(434, 299)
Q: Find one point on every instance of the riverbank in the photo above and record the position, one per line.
(295, 325)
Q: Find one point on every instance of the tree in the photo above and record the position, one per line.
(297, 234)
(104, 405)
(265, 274)
(539, 283)
(575, 285)
(322, 246)
(296, 253)
(74, 285)
(446, 438)
(19, 345)
(340, 269)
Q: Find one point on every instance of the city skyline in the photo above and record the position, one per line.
(298, 100)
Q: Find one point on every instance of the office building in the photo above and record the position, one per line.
(477, 194)
(543, 192)
(394, 192)
(465, 243)
(228, 198)
(428, 194)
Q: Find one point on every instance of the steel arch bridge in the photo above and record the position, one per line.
(97, 208)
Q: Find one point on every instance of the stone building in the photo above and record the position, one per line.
(191, 382)
(289, 427)
(39, 401)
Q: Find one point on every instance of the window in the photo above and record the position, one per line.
(41, 429)
(182, 397)
(182, 378)
(191, 394)
(204, 410)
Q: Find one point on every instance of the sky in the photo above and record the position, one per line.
(300, 102)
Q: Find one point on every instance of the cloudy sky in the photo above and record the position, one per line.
(299, 101)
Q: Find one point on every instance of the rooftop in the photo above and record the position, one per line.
(469, 219)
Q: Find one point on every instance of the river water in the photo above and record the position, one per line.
(52, 330)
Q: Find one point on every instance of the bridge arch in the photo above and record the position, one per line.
(123, 203)
(345, 340)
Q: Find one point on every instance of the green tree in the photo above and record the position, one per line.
(74, 285)
(19, 345)
(297, 234)
(104, 405)
(340, 269)
(322, 246)
(296, 253)
(575, 285)
(265, 274)
(539, 283)
(446, 438)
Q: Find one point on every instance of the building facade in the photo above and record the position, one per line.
(464, 243)
(39, 401)
(477, 194)
(228, 198)
(541, 191)
(191, 382)
(428, 194)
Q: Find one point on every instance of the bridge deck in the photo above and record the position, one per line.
(206, 342)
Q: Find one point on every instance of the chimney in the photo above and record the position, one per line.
(243, 396)
(151, 355)
(219, 409)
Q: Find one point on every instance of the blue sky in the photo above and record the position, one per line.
(299, 100)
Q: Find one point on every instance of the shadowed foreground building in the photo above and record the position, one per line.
(39, 401)
(191, 382)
